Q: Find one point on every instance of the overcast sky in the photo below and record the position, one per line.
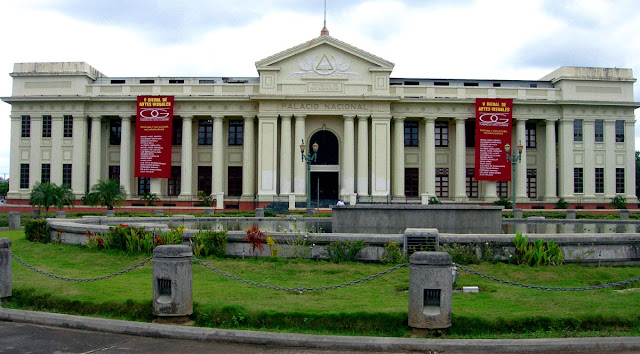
(482, 39)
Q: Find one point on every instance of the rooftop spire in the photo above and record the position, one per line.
(325, 31)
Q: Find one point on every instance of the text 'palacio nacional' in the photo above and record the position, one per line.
(379, 138)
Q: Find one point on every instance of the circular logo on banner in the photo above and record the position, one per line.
(154, 114)
(494, 119)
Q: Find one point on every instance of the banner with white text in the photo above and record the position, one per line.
(493, 131)
(154, 123)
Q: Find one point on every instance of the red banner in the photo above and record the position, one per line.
(493, 131)
(154, 125)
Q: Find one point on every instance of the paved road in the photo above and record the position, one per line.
(28, 338)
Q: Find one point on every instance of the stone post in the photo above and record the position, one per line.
(430, 281)
(158, 212)
(172, 281)
(571, 214)
(624, 213)
(61, 214)
(259, 212)
(517, 214)
(14, 219)
(5, 268)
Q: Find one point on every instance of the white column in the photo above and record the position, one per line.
(267, 154)
(35, 156)
(95, 161)
(521, 167)
(299, 166)
(397, 162)
(248, 158)
(186, 165)
(79, 165)
(125, 154)
(460, 162)
(285, 155)
(630, 165)
(490, 191)
(610, 161)
(218, 162)
(380, 155)
(348, 151)
(429, 157)
(565, 159)
(549, 175)
(363, 156)
(155, 186)
(589, 178)
(15, 157)
(56, 150)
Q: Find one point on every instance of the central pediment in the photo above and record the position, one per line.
(324, 66)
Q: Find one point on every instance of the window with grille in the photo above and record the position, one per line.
(619, 180)
(205, 132)
(234, 180)
(578, 180)
(67, 126)
(144, 185)
(66, 174)
(410, 133)
(45, 173)
(599, 131)
(411, 182)
(470, 133)
(442, 182)
(599, 180)
(530, 135)
(502, 189)
(114, 172)
(176, 134)
(204, 179)
(26, 127)
(577, 130)
(442, 134)
(115, 131)
(46, 126)
(472, 184)
(175, 181)
(532, 183)
(619, 131)
(24, 175)
(235, 132)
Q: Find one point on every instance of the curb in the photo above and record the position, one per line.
(320, 341)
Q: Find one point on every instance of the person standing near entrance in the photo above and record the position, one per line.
(340, 203)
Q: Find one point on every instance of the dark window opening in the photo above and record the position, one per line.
(26, 126)
(471, 84)
(411, 182)
(442, 134)
(24, 175)
(234, 179)
(532, 183)
(176, 81)
(599, 180)
(206, 81)
(619, 180)
(442, 182)
(175, 181)
(619, 131)
(115, 131)
(46, 126)
(578, 180)
(115, 82)
(205, 132)
(497, 84)
(147, 81)
(235, 132)
(144, 185)
(415, 83)
(328, 150)
(68, 126)
(176, 135)
(66, 174)
(45, 175)
(472, 184)
(411, 134)
(599, 131)
(204, 179)
(470, 133)
(530, 135)
(114, 173)
(441, 83)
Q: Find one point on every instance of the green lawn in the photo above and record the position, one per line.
(378, 307)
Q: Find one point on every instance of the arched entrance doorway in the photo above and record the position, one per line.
(325, 170)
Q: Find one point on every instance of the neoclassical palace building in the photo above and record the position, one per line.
(380, 139)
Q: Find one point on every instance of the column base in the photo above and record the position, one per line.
(220, 200)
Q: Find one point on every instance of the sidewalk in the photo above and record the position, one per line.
(380, 344)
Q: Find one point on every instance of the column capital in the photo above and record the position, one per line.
(430, 119)
(249, 118)
(521, 120)
(348, 116)
(186, 117)
(218, 117)
(285, 117)
(300, 116)
(363, 118)
(399, 118)
(267, 116)
(381, 117)
(460, 119)
(126, 118)
(550, 120)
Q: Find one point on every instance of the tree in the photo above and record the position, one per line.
(109, 194)
(47, 194)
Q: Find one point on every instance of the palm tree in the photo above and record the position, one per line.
(109, 194)
(47, 194)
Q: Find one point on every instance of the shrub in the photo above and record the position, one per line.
(256, 239)
(37, 231)
(504, 202)
(434, 200)
(207, 243)
(149, 199)
(536, 253)
(345, 251)
(562, 204)
(272, 246)
(619, 202)
(392, 253)
(204, 199)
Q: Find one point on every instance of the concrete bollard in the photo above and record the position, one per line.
(517, 214)
(209, 212)
(430, 282)
(624, 213)
(158, 212)
(172, 281)
(109, 213)
(61, 214)
(14, 219)
(259, 212)
(5, 268)
(571, 214)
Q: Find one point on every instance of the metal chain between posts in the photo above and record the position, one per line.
(548, 288)
(299, 289)
(138, 265)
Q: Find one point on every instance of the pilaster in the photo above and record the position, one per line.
(363, 156)
(565, 156)
(125, 155)
(460, 162)
(380, 155)
(248, 158)
(96, 160)
(285, 155)
(521, 167)
(267, 154)
(589, 184)
(429, 157)
(299, 167)
(397, 162)
(56, 149)
(348, 158)
(186, 167)
(549, 175)
(79, 165)
(610, 162)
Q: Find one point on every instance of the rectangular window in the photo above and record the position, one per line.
(24, 175)
(205, 132)
(175, 181)
(599, 131)
(235, 132)
(442, 134)
(114, 172)
(442, 182)
(619, 131)
(577, 130)
(410, 133)
(46, 126)
(532, 183)
(502, 189)
(176, 136)
(530, 135)
(115, 130)
(578, 180)
(470, 133)
(144, 185)
(472, 184)
(66, 174)
(67, 126)
(204, 179)
(45, 173)
(234, 181)
(26, 126)
(599, 180)
(411, 182)
(619, 180)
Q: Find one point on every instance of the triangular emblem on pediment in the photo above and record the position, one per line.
(326, 66)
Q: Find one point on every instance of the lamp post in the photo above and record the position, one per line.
(309, 157)
(513, 159)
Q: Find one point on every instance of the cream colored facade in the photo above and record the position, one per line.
(327, 88)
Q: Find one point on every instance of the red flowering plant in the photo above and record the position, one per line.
(256, 239)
